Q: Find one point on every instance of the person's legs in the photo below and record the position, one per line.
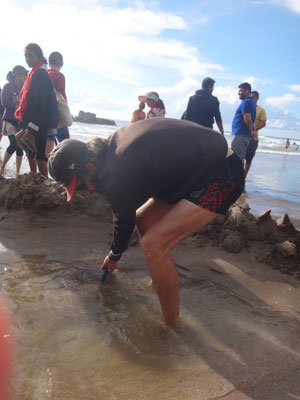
(239, 146)
(43, 168)
(250, 153)
(19, 158)
(41, 158)
(162, 226)
(32, 164)
(9, 152)
(183, 219)
(18, 164)
(149, 213)
(4, 162)
(49, 147)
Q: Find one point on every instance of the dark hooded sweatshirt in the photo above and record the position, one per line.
(202, 108)
(160, 157)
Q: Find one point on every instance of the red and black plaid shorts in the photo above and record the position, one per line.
(219, 194)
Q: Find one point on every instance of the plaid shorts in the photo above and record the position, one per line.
(219, 194)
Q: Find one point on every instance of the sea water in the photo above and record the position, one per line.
(272, 183)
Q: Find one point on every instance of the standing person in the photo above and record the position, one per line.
(243, 121)
(10, 101)
(287, 143)
(166, 194)
(156, 105)
(203, 107)
(38, 110)
(139, 114)
(58, 80)
(1, 115)
(260, 122)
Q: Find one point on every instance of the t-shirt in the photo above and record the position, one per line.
(238, 124)
(159, 157)
(138, 116)
(156, 112)
(260, 116)
(58, 81)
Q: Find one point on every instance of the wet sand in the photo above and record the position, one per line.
(75, 338)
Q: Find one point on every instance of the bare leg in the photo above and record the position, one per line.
(247, 167)
(149, 213)
(18, 163)
(5, 160)
(32, 164)
(43, 168)
(180, 221)
(49, 147)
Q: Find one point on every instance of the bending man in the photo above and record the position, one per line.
(168, 177)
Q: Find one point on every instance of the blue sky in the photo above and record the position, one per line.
(116, 50)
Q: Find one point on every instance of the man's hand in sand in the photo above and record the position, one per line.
(109, 264)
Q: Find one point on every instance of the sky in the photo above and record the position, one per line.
(115, 50)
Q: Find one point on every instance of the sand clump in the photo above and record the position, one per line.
(274, 242)
(240, 230)
(33, 193)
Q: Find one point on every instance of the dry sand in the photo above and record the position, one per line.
(238, 337)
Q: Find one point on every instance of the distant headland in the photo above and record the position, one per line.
(90, 118)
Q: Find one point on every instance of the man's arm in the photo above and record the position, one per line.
(218, 117)
(248, 122)
(124, 224)
(220, 126)
(259, 125)
(134, 116)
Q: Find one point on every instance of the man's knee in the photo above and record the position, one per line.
(152, 245)
(140, 224)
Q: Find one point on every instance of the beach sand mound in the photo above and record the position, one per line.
(33, 193)
(240, 229)
(274, 242)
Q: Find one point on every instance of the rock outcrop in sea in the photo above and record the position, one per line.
(90, 118)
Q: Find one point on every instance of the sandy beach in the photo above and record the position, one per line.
(75, 338)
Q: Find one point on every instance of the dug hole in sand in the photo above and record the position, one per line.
(75, 338)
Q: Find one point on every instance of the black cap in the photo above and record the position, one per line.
(19, 70)
(68, 158)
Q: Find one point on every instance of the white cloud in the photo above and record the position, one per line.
(277, 123)
(117, 43)
(293, 5)
(282, 102)
(294, 88)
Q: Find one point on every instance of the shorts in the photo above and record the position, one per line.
(9, 129)
(63, 134)
(219, 194)
(239, 145)
(250, 152)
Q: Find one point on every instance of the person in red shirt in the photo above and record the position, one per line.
(138, 114)
(59, 83)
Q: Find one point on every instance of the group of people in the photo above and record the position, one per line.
(155, 104)
(30, 110)
(204, 109)
(166, 177)
(287, 144)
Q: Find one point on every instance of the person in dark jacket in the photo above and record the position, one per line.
(10, 101)
(37, 112)
(166, 176)
(203, 107)
(1, 115)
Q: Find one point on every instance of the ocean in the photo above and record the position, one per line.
(273, 181)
